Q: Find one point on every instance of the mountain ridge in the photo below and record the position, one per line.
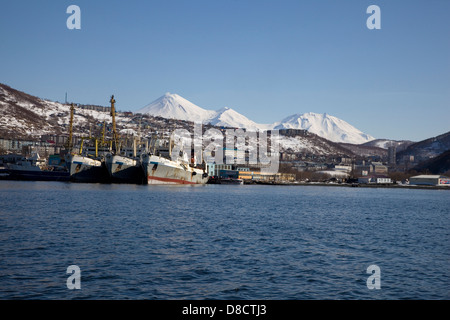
(426, 149)
(324, 125)
(26, 117)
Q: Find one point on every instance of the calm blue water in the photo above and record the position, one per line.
(222, 242)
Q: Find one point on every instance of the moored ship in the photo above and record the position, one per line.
(86, 169)
(124, 169)
(160, 170)
(36, 169)
(85, 166)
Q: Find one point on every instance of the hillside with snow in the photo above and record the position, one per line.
(426, 149)
(310, 143)
(386, 143)
(23, 116)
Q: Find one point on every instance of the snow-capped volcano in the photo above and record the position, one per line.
(173, 106)
(325, 126)
(228, 117)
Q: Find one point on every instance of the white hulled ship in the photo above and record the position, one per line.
(124, 169)
(160, 170)
(85, 166)
(86, 169)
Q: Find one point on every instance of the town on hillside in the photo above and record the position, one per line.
(332, 164)
(44, 136)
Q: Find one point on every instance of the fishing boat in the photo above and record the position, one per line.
(86, 165)
(86, 169)
(124, 169)
(161, 170)
(36, 169)
(144, 167)
(163, 165)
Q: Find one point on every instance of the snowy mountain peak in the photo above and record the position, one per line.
(326, 126)
(171, 105)
(228, 117)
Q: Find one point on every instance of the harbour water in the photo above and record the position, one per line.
(222, 241)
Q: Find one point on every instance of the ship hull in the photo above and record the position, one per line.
(163, 171)
(26, 170)
(125, 170)
(84, 169)
(33, 175)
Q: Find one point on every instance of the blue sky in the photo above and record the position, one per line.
(266, 59)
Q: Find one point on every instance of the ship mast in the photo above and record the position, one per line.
(103, 132)
(113, 115)
(69, 142)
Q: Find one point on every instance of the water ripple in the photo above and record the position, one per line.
(221, 242)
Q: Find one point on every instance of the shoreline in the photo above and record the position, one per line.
(318, 184)
(351, 185)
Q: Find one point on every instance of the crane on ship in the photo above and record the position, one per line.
(115, 146)
(69, 141)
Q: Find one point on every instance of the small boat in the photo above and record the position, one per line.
(230, 181)
(225, 180)
(36, 169)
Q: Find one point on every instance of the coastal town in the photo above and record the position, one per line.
(344, 165)
(233, 158)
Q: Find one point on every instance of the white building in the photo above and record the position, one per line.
(375, 179)
(343, 168)
(430, 180)
(335, 173)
